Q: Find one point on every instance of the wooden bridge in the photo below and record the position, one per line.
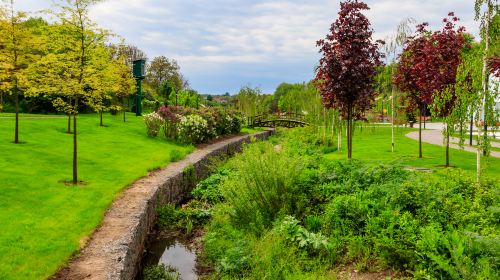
(278, 119)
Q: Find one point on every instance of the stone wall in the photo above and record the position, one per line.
(115, 249)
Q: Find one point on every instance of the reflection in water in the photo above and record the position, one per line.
(169, 251)
(181, 258)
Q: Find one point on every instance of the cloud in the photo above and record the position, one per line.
(224, 44)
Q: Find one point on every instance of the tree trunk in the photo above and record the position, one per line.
(447, 147)
(349, 133)
(69, 123)
(383, 110)
(339, 140)
(393, 105)
(100, 114)
(420, 133)
(16, 130)
(75, 146)
(471, 128)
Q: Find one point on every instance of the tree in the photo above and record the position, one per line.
(414, 76)
(447, 46)
(72, 64)
(161, 70)
(123, 85)
(346, 70)
(16, 53)
(391, 47)
(485, 12)
(249, 101)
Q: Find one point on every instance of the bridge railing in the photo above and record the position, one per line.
(255, 120)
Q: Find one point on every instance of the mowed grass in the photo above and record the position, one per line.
(373, 145)
(43, 221)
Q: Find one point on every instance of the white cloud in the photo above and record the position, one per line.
(223, 44)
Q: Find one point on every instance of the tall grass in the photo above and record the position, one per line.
(263, 185)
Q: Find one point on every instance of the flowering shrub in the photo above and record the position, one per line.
(153, 123)
(193, 126)
(192, 129)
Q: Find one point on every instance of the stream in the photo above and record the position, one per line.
(174, 252)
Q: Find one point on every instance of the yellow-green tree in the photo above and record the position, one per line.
(123, 85)
(73, 64)
(17, 45)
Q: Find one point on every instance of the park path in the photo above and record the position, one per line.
(435, 137)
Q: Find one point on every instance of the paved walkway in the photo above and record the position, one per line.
(434, 136)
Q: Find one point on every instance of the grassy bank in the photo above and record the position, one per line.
(43, 220)
(373, 145)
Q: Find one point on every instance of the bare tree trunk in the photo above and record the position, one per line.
(471, 128)
(100, 113)
(349, 133)
(333, 127)
(425, 115)
(75, 146)
(393, 105)
(485, 110)
(69, 118)
(420, 133)
(69, 123)
(447, 147)
(16, 130)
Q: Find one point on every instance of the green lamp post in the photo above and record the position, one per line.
(139, 74)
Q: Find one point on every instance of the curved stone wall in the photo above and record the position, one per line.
(115, 248)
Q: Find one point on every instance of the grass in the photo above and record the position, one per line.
(43, 221)
(373, 145)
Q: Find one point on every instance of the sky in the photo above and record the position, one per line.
(222, 45)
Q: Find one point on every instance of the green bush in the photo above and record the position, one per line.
(160, 272)
(263, 186)
(208, 190)
(194, 213)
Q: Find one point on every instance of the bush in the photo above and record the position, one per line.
(208, 190)
(263, 185)
(153, 123)
(193, 129)
(194, 213)
(160, 272)
(198, 126)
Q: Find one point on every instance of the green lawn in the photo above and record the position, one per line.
(373, 145)
(42, 220)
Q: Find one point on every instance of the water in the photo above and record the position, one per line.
(174, 253)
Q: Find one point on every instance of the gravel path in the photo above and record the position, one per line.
(435, 137)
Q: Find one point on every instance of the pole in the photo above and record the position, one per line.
(138, 98)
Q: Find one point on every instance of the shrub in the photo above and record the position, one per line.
(263, 185)
(161, 272)
(197, 126)
(208, 190)
(193, 129)
(153, 123)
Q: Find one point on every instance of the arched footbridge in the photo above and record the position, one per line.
(288, 120)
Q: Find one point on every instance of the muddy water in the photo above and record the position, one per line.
(171, 251)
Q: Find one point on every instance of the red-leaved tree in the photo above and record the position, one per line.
(346, 71)
(447, 46)
(428, 67)
(414, 76)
